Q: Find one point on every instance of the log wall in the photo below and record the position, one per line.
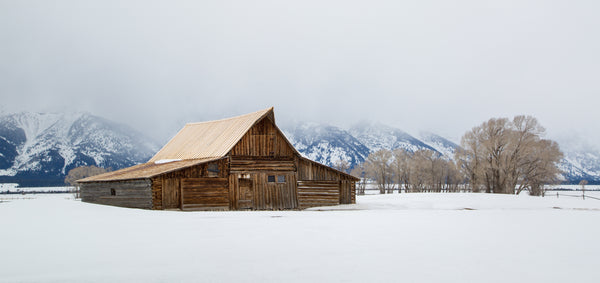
(205, 194)
(318, 193)
(134, 193)
(313, 171)
(246, 165)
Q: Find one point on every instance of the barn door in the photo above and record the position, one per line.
(245, 194)
(345, 192)
(171, 193)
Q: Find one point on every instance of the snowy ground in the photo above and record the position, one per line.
(383, 238)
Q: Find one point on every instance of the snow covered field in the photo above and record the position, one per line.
(383, 238)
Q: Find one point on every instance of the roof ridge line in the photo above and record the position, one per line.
(231, 118)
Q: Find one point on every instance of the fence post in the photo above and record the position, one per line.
(556, 194)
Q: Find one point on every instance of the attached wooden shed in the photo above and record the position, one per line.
(240, 163)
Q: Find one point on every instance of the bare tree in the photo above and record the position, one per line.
(468, 159)
(359, 172)
(505, 156)
(377, 167)
(420, 169)
(342, 165)
(401, 168)
(453, 177)
(540, 167)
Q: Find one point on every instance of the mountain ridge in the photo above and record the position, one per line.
(40, 148)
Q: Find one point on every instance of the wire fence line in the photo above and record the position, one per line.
(583, 196)
(549, 193)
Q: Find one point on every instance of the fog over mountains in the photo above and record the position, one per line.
(40, 148)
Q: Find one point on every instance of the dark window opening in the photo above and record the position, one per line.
(113, 192)
(214, 168)
(281, 179)
(271, 178)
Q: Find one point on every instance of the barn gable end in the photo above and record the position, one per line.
(263, 140)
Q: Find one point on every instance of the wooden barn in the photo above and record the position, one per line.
(240, 163)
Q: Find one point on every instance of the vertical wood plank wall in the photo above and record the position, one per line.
(263, 151)
(170, 194)
(263, 140)
(270, 195)
(166, 188)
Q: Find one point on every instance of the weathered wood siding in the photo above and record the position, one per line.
(265, 195)
(309, 171)
(263, 140)
(205, 194)
(247, 165)
(171, 197)
(134, 193)
(318, 193)
(275, 195)
(157, 202)
(253, 173)
(244, 194)
(166, 188)
(347, 192)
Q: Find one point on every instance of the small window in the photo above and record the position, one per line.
(281, 179)
(271, 178)
(113, 192)
(213, 168)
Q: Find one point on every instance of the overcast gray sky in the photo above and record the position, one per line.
(441, 66)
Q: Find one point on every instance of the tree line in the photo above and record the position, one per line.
(400, 170)
(498, 156)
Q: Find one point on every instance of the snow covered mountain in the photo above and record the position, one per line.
(41, 148)
(377, 136)
(581, 165)
(326, 144)
(442, 145)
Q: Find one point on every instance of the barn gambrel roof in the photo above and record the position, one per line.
(211, 139)
(195, 144)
